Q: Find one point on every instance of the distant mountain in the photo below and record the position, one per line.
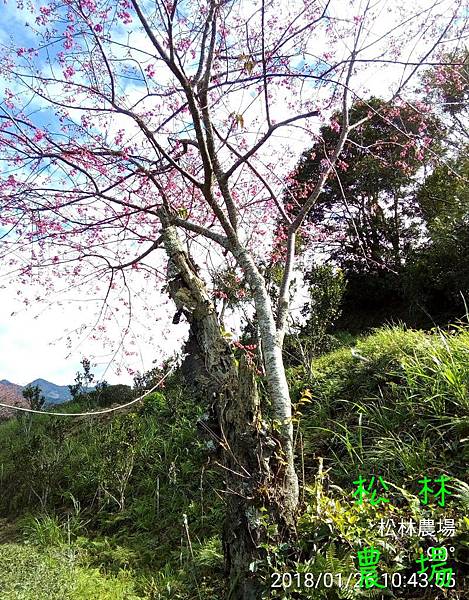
(10, 393)
(54, 394)
(6, 382)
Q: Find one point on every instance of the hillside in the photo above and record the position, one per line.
(132, 504)
(53, 393)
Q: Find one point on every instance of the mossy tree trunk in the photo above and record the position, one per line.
(251, 459)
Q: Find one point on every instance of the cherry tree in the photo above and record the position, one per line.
(138, 137)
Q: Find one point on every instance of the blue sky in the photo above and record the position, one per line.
(31, 344)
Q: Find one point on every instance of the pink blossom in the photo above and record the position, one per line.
(342, 165)
(125, 17)
(119, 137)
(150, 71)
(220, 294)
(183, 44)
(68, 43)
(69, 72)
(8, 99)
(89, 4)
(324, 164)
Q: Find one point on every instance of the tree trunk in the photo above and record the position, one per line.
(396, 240)
(251, 459)
(279, 392)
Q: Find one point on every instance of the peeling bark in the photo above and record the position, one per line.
(276, 378)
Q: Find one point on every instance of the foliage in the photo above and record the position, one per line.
(436, 278)
(444, 197)
(82, 379)
(34, 397)
(448, 83)
(196, 89)
(365, 211)
(326, 287)
(33, 573)
(432, 286)
(394, 271)
(105, 394)
(393, 403)
(112, 491)
(229, 286)
(369, 392)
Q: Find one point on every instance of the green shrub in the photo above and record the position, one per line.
(112, 490)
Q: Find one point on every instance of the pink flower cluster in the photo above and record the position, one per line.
(89, 5)
(220, 294)
(69, 72)
(38, 136)
(150, 70)
(45, 11)
(125, 17)
(69, 32)
(8, 99)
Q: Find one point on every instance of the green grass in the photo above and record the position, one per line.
(396, 402)
(113, 492)
(32, 573)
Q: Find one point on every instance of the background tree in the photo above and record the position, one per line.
(367, 220)
(312, 337)
(367, 210)
(134, 126)
(386, 198)
(34, 397)
(83, 380)
(436, 280)
(447, 89)
(443, 197)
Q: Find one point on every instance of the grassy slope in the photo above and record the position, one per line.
(30, 573)
(110, 496)
(114, 491)
(395, 405)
